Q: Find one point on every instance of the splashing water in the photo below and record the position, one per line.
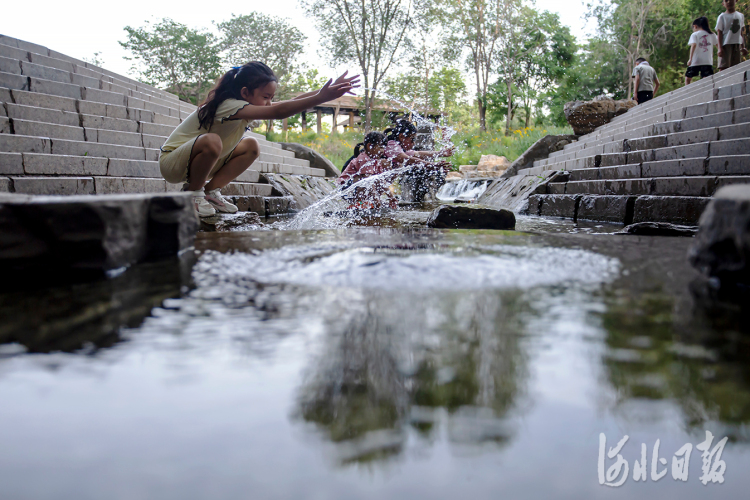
(464, 190)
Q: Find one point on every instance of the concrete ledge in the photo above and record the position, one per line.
(676, 209)
(50, 236)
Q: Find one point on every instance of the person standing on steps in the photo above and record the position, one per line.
(731, 29)
(209, 145)
(646, 81)
(702, 43)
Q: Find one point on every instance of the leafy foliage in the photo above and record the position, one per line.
(172, 55)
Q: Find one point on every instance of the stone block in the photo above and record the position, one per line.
(34, 114)
(44, 72)
(79, 148)
(54, 236)
(610, 160)
(106, 123)
(39, 129)
(5, 95)
(693, 136)
(585, 174)
(586, 187)
(728, 165)
(55, 88)
(659, 141)
(41, 164)
(63, 57)
(729, 180)
(699, 150)
(604, 208)
(729, 91)
(84, 81)
(116, 111)
(255, 204)
(556, 188)
(6, 186)
(132, 168)
(22, 44)
(14, 53)
(143, 116)
(114, 137)
(44, 101)
(739, 131)
(667, 127)
(83, 70)
(24, 144)
(632, 171)
(675, 209)
(11, 81)
(560, 205)
(11, 164)
(626, 186)
(684, 186)
(156, 129)
(741, 102)
(707, 121)
(4, 125)
(96, 95)
(53, 185)
(115, 185)
(134, 102)
(92, 108)
(464, 217)
(12, 66)
(153, 141)
(721, 106)
(741, 116)
(247, 189)
(51, 62)
(640, 156)
(152, 154)
(730, 147)
(278, 205)
(667, 168)
(317, 172)
(248, 176)
(157, 108)
(164, 120)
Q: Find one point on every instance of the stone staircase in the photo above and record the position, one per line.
(68, 127)
(661, 161)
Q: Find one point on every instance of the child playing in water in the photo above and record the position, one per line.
(730, 27)
(369, 159)
(702, 43)
(400, 149)
(209, 144)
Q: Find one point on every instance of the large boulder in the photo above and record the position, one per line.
(586, 116)
(316, 159)
(540, 150)
(462, 217)
(722, 246)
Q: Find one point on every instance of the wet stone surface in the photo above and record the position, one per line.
(374, 362)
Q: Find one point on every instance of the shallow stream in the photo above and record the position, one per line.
(376, 361)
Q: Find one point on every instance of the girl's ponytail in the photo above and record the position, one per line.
(251, 76)
(358, 149)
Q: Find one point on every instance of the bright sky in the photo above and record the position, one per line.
(81, 30)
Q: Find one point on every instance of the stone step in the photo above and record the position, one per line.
(696, 185)
(247, 189)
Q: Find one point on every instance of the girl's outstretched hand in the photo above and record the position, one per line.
(354, 80)
(331, 90)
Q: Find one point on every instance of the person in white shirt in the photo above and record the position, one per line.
(731, 29)
(702, 43)
(646, 81)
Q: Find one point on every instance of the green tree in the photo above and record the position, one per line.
(269, 39)
(369, 33)
(171, 55)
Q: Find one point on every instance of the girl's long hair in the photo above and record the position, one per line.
(702, 23)
(252, 75)
(370, 138)
(401, 127)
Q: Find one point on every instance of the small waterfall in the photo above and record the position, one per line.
(464, 190)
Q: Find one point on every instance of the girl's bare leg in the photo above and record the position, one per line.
(246, 152)
(688, 80)
(206, 151)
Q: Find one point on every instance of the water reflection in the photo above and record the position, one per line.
(385, 364)
(657, 352)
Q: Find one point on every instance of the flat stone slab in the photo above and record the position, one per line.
(240, 221)
(461, 217)
(659, 229)
(54, 236)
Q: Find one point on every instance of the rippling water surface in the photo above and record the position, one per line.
(373, 363)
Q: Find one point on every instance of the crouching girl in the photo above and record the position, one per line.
(207, 151)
